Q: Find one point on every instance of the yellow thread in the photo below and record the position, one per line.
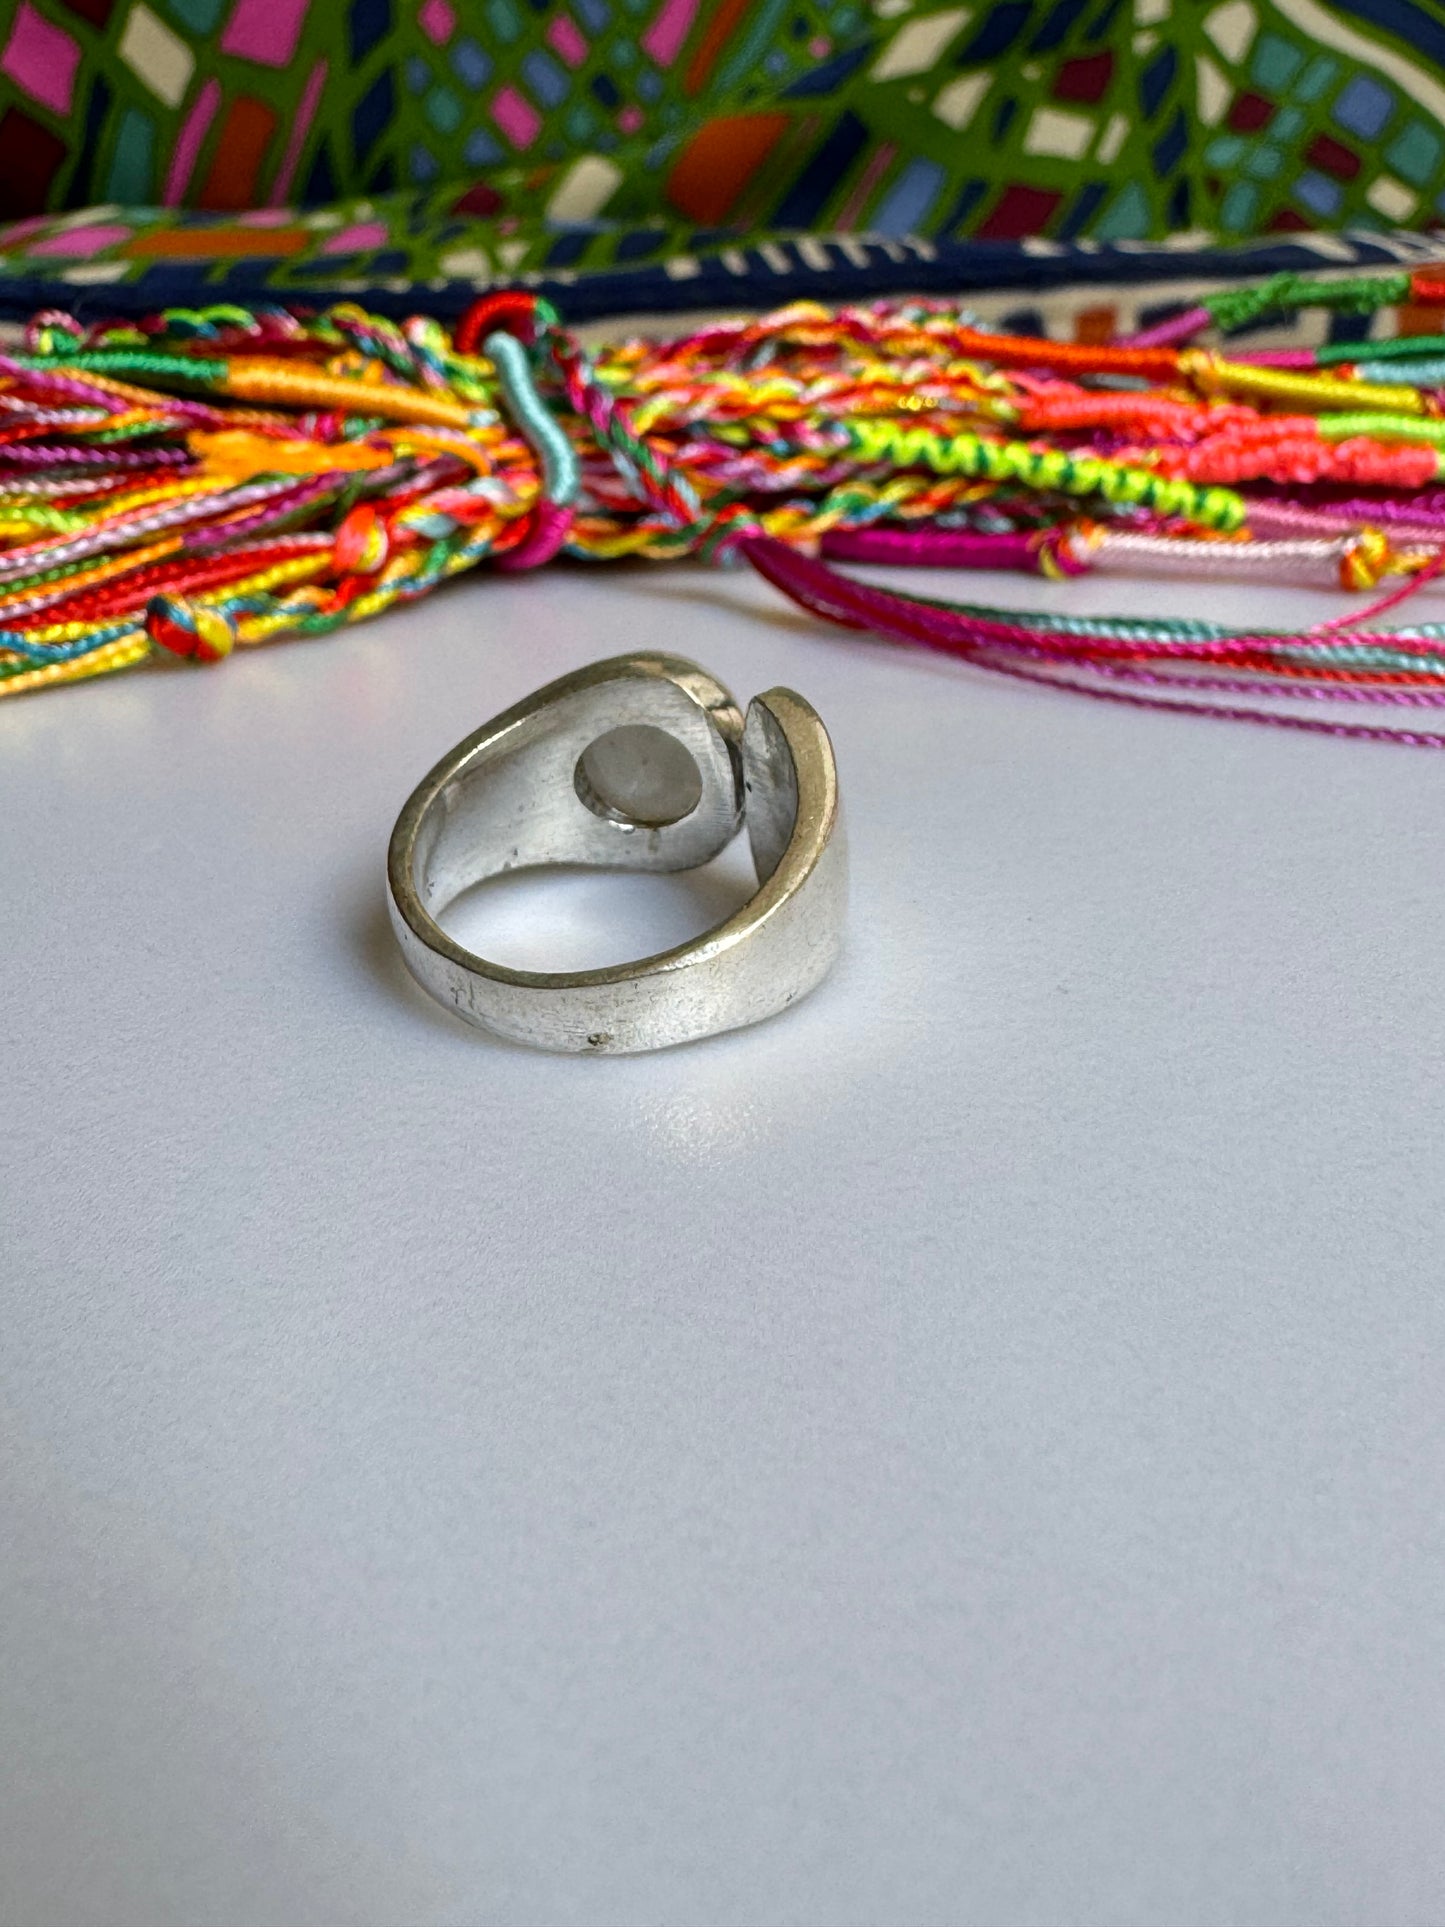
(57, 522)
(61, 631)
(234, 455)
(155, 401)
(1366, 559)
(180, 489)
(255, 379)
(440, 442)
(1047, 468)
(1309, 393)
(119, 654)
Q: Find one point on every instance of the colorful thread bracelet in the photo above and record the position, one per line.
(217, 477)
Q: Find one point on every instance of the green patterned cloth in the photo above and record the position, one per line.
(474, 139)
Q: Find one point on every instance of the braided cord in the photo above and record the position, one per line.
(216, 477)
(1047, 468)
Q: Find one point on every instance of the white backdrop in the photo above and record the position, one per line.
(965, 1454)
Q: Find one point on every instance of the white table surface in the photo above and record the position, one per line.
(969, 1453)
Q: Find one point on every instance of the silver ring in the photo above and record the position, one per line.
(640, 763)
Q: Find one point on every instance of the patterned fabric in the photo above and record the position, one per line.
(402, 253)
(539, 118)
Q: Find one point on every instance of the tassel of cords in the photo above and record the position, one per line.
(213, 478)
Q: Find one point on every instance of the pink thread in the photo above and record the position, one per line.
(1302, 358)
(982, 640)
(549, 526)
(1167, 334)
(932, 548)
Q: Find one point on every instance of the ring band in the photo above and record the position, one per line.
(643, 762)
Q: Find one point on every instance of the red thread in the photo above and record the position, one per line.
(511, 309)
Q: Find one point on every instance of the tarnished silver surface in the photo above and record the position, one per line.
(643, 762)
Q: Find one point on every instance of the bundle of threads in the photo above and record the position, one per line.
(220, 477)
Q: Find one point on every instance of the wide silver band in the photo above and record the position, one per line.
(639, 763)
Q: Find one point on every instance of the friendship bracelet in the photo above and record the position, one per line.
(217, 477)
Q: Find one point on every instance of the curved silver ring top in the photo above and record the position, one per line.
(640, 763)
